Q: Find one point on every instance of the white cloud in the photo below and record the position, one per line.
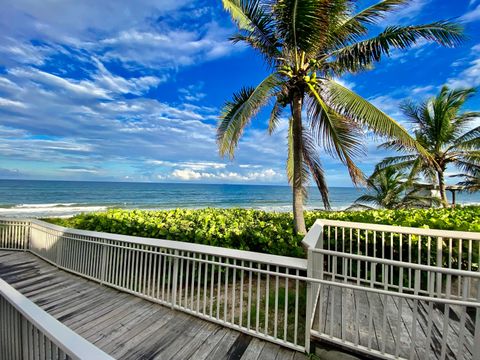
(470, 76)
(249, 166)
(406, 13)
(82, 88)
(188, 174)
(118, 84)
(77, 169)
(171, 48)
(72, 21)
(472, 15)
(345, 83)
(422, 89)
(192, 165)
(11, 103)
(192, 92)
(192, 175)
(387, 104)
(13, 51)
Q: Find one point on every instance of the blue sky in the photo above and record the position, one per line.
(121, 90)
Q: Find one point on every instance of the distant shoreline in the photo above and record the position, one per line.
(67, 212)
(33, 199)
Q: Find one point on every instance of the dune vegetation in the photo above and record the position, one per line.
(255, 230)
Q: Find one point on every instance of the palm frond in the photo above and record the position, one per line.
(237, 113)
(364, 53)
(398, 162)
(471, 182)
(347, 103)
(257, 27)
(338, 135)
(466, 166)
(237, 12)
(468, 141)
(353, 27)
(378, 11)
(369, 199)
(303, 24)
(311, 157)
(275, 116)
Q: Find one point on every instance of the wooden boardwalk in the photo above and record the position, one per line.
(380, 329)
(126, 326)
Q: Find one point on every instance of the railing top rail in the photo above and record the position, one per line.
(23, 221)
(413, 266)
(465, 235)
(284, 261)
(66, 339)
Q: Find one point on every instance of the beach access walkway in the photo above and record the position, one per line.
(125, 326)
(368, 289)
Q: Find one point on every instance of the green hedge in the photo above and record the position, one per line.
(255, 230)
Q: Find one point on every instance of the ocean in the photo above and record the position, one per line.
(36, 198)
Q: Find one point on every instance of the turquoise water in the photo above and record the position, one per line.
(30, 198)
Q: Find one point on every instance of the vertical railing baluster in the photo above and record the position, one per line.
(465, 289)
(225, 297)
(439, 264)
(275, 320)
(205, 279)
(446, 318)
(182, 281)
(416, 290)
(212, 277)
(194, 269)
(295, 331)
(174, 279)
(267, 299)
(249, 300)
(257, 312)
(285, 315)
(199, 277)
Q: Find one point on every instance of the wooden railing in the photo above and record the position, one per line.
(28, 332)
(357, 284)
(14, 234)
(259, 294)
(395, 292)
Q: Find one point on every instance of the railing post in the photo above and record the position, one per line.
(175, 279)
(59, 243)
(26, 242)
(309, 305)
(313, 240)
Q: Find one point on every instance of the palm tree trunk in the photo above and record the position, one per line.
(298, 219)
(441, 186)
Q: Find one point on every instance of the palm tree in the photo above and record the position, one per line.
(442, 129)
(307, 44)
(391, 189)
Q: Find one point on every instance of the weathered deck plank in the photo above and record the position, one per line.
(126, 326)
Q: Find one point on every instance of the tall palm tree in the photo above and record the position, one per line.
(391, 189)
(307, 44)
(442, 129)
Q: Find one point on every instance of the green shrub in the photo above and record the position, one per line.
(255, 230)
